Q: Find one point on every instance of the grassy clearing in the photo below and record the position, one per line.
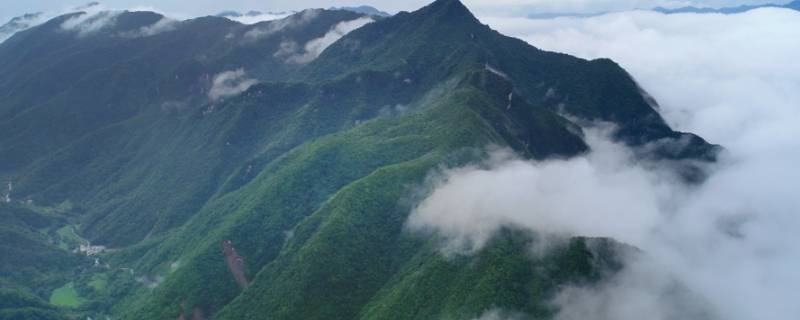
(66, 296)
(66, 238)
(99, 282)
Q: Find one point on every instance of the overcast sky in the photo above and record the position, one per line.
(189, 8)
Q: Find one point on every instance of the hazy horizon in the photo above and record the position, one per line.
(9, 9)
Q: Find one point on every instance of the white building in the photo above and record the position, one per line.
(91, 250)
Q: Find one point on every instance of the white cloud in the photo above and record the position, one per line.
(230, 83)
(90, 22)
(253, 19)
(293, 21)
(643, 288)
(544, 7)
(95, 17)
(8, 29)
(469, 205)
(163, 25)
(731, 241)
(312, 49)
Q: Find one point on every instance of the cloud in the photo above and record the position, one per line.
(730, 242)
(8, 29)
(290, 51)
(547, 7)
(261, 17)
(90, 22)
(469, 205)
(293, 21)
(94, 17)
(163, 25)
(230, 83)
(642, 288)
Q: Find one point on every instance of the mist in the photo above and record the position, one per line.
(730, 242)
(90, 22)
(230, 83)
(291, 52)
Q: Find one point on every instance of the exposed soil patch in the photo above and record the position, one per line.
(235, 264)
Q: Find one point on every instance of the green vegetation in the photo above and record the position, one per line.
(66, 238)
(310, 174)
(99, 282)
(66, 296)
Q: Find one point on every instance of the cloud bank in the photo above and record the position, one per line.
(14, 25)
(580, 196)
(160, 26)
(293, 21)
(90, 22)
(230, 83)
(260, 17)
(291, 52)
(587, 7)
(731, 242)
(92, 18)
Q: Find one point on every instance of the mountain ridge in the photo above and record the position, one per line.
(309, 170)
(794, 5)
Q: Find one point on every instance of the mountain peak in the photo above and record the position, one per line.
(451, 12)
(450, 6)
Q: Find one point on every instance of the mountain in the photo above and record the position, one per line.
(235, 171)
(35, 261)
(795, 5)
(370, 11)
(18, 24)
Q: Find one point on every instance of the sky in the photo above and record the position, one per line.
(192, 8)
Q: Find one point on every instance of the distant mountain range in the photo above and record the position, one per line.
(29, 20)
(365, 10)
(252, 17)
(795, 5)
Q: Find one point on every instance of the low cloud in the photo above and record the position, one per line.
(545, 7)
(730, 243)
(617, 198)
(271, 28)
(641, 288)
(17, 24)
(163, 25)
(92, 18)
(261, 17)
(290, 51)
(230, 83)
(90, 22)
